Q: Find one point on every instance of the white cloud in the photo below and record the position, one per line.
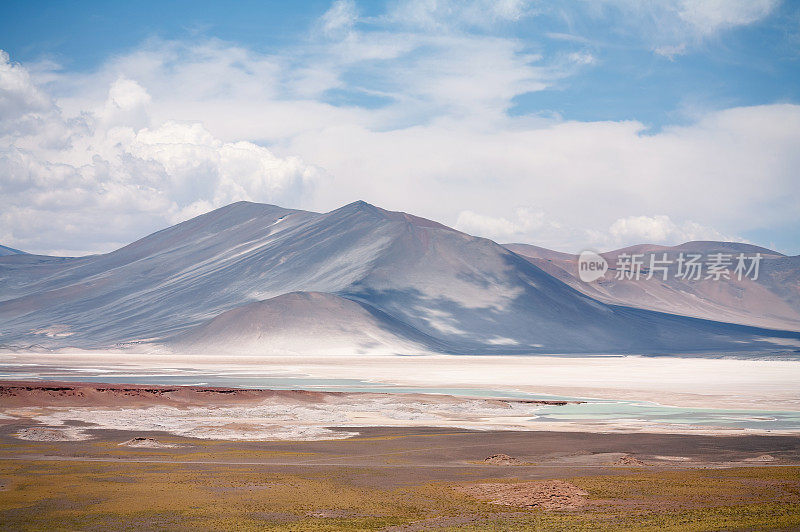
(18, 96)
(525, 223)
(646, 228)
(660, 229)
(110, 180)
(175, 128)
(341, 16)
(192, 166)
(535, 227)
(126, 104)
(670, 51)
(707, 17)
(582, 58)
(439, 14)
(26, 110)
(673, 27)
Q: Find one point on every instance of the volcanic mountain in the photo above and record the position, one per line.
(255, 278)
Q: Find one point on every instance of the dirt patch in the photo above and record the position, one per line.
(673, 458)
(545, 494)
(501, 459)
(148, 443)
(52, 434)
(762, 458)
(628, 460)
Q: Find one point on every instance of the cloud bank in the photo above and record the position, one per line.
(407, 109)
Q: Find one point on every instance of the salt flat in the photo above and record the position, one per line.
(675, 381)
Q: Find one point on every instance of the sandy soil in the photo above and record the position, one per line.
(421, 454)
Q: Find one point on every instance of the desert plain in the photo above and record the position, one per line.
(83, 454)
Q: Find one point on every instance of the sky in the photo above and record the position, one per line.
(573, 125)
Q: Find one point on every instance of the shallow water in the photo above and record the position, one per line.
(643, 412)
(592, 411)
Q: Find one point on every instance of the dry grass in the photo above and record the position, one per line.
(70, 495)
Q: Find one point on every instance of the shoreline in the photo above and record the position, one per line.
(72, 411)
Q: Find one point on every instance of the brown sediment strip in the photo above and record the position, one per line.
(55, 393)
(33, 393)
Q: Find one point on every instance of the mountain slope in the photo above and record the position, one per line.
(10, 251)
(405, 282)
(772, 300)
(303, 323)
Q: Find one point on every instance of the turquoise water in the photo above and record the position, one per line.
(600, 411)
(636, 412)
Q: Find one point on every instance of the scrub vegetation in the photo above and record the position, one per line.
(62, 494)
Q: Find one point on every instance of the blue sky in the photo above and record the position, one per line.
(520, 114)
(748, 65)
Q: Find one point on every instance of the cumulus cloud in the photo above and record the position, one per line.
(535, 227)
(126, 104)
(19, 98)
(110, 178)
(525, 222)
(661, 229)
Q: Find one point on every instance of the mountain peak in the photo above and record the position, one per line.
(362, 207)
(358, 206)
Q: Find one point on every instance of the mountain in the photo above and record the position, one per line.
(10, 251)
(263, 279)
(303, 323)
(772, 300)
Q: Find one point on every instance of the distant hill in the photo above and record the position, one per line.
(773, 300)
(305, 323)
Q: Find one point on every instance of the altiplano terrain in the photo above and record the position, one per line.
(430, 380)
(402, 479)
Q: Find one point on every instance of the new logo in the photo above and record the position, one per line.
(591, 266)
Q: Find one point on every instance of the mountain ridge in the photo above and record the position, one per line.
(408, 280)
(5, 250)
(772, 300)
